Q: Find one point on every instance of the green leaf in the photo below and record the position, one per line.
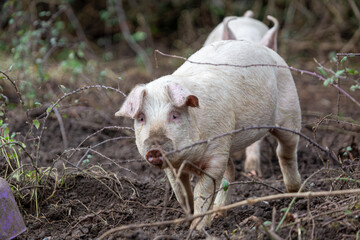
(339, 72)
(354, 87)
(80, 53)
(322, 71)
(48, 110)
(139, 36)
(104, 15)
(328, 81)
(332, 56)
(36, 123)
(348, 148)
(71, 55)
(267, 223)
(283, 210)
(10, 68)
(86, 161)
(6, 132)
(225, 184)
(344, 59)
(352, 71)
(63, 88)
(103, 73)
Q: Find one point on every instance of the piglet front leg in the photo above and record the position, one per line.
(205, 188)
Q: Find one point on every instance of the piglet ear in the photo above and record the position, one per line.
(133, 103)
(180, 96)
(270, 38)
(249, 14)
(227, 33)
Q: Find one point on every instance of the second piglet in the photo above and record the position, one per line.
(201, 101)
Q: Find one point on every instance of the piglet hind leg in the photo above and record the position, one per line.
(252, 160)
(287, 154)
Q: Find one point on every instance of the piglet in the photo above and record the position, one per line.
(200, 101)
(246, 27)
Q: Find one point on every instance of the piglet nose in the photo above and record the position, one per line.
(154, 157)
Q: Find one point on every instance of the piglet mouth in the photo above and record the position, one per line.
(155, 157)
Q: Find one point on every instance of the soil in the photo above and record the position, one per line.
(116, 188)
(106, 184)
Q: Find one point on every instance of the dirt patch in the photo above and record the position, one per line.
(87, 205)
(120, 189)
(102, 182)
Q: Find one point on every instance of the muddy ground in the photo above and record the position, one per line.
(106, 184)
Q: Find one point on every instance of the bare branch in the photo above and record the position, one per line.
(62, 128)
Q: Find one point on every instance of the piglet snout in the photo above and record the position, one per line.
(155, 157)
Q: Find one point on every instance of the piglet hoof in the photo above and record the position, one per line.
(199, 225)
(220, 214)
(294, 187)
(254, 173)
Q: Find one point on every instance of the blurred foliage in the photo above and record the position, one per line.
(37, 35)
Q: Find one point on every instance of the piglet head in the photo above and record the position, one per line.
(162, 119)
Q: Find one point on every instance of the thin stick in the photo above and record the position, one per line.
(62, 128)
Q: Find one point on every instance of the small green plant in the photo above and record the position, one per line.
(87, 160)
(10, 150)
(35, 43)
(343, 72)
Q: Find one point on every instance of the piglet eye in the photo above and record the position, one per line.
(175, 116)
(141, 118)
